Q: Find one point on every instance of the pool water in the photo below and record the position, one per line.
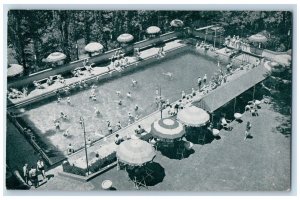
(186, 68)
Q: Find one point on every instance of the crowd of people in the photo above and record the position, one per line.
(31, 173)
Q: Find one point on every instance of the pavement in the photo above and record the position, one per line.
(260, 163)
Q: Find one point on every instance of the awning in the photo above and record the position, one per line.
(258, 38)
(225, 93)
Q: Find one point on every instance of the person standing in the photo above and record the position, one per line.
(41, 167)
(247, 132)
(26, 173)
(33, 176)
(199, 82)
(204, 78)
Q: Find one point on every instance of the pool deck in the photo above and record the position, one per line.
(106, 146)
(97, 71)
(229, 164)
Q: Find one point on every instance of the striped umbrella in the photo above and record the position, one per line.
(55, 57)
(125, 37)
(193, 116)
(176, 23)
(93, 47)
(153, 30)
(14, 70)
(135, 152)
(167, 129)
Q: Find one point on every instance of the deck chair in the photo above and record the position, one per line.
(139, 182)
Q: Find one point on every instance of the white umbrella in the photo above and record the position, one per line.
(55, 57)
(193, 116)
(135, 152)
(14, 70)
(176, 23)
(93, 47)
(258, 38)
(167, 129)
(153, 30)
(125, 37)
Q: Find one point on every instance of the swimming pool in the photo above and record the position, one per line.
(186, 68)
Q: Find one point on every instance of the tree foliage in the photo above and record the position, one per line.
(34, 34)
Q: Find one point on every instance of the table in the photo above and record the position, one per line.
(237, 116)
(106, 184)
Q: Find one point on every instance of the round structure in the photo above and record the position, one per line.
(14, 70)
(93, 47)
(106, 184)
(153, 30)
(167, 129)
(55, 57)
(135, 152)
(177, 23)
(124, 38)
(193, 116)
(258, 38)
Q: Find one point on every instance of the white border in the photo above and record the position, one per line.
(218, 5)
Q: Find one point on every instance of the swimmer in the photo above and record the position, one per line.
(63, 115)
(57, 124)
(169, 75)
(66, 133)
(118, 93)
(119, 126)
(136, 108)
(193, 92)
(183, 94)
(68, 100)
(130, 115)
(58, 99)
(136, 118)
(97, 111)
(128, 94)
(94, 98)
(134, 82)
(204, 78)
(120, 103)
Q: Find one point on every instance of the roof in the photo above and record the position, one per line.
(225, 93)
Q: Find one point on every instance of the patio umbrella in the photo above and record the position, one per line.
(125, 37)
(135, 152)
(55, 57)
(258, 38)
(176, 23)
(193, 116)
(167, 129)
(153, 30)
(14, 70)
(93, 47)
